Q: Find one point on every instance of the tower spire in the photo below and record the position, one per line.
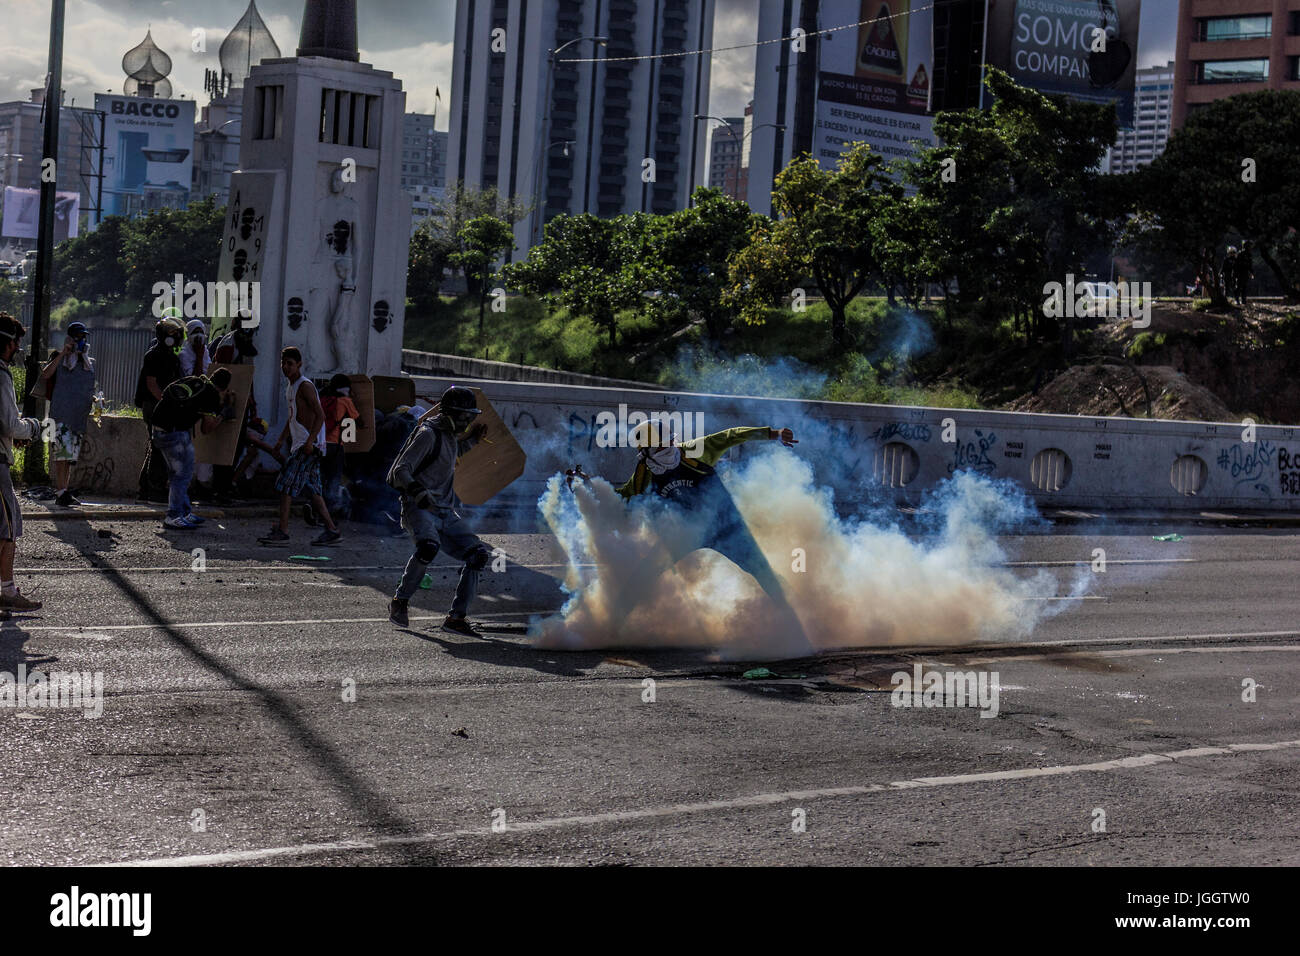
(329, 29)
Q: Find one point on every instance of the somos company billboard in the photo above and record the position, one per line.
(874, 83)
(1085, 49)
(148, 153)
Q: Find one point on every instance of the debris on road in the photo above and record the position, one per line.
(1166, 537)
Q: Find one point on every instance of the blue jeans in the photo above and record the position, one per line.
(177, 449)
(447, 532)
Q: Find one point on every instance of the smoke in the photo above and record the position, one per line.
(851, 582)
(704, 369)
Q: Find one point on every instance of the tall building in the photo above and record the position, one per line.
(724, 154)
(22, 128)
(1154, 107)
(424, 157)
(216, 135)
(787, 89)
(570, 135)
(1234, 46)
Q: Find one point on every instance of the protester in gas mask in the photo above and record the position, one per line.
(424, 473)
(13, 429)
(69, 378)
(161, 367)
(683, 473)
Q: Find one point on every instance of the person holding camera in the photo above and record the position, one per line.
(69, 378)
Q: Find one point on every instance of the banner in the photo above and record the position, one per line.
(874, 82)
(1085, 49)
(148, 153)
(22, 216)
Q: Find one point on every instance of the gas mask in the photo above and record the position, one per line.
(661, 460)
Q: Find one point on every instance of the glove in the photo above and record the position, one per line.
(419, 496)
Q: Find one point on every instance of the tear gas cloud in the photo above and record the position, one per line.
(864, 583)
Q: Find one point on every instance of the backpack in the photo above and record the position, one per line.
(391, 479)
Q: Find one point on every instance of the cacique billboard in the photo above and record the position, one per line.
(874, 79)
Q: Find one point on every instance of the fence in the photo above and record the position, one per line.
(118, 354)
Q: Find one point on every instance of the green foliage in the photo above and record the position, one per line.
(823, 230)
(440, 236)
(11, 297)
(591, 266)
(483, 240)
(1026, 207)
(1145, 342)
(90, 266)
(1197, 194)
(162, 244)
(1200, 305)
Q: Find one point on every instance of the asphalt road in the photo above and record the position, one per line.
(1121, 733)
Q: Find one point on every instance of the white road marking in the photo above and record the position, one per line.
(292, 623)
(1109, 562)
(1146, 651)
(712, 806)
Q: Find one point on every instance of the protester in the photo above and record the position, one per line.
(300, 474)
(69, 378)
(1244, 271)
(186, 402)
(683, 472)
(13, 428)
(161, 367)
(195, 361)
(424, 473)
(237, 348)
(336, 400)
(1230, 273)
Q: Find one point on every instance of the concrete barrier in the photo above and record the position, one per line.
(881, 452)
(453, 366)
(111, 457)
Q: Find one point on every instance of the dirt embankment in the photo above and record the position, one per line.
(1196, 365)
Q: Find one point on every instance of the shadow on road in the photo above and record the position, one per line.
(356, 791)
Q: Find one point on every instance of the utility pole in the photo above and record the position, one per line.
(34, 460)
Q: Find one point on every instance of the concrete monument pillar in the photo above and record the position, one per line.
(317, 214)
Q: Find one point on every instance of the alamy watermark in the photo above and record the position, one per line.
(932, 688)
(58, 690)
(1087, 300)
(200, 300)
(612, 429)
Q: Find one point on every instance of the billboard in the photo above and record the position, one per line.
(874, 79)
(148, 153)
(1085, 49)
(22, 216)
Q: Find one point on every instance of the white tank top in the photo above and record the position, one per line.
(297, 430)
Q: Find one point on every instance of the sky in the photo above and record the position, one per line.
(410, 38)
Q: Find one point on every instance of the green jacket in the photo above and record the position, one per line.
(705, 450)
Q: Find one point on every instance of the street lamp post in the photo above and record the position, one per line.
(740, 143)
(543, 156)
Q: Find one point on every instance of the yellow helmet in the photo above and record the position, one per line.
(650, 434)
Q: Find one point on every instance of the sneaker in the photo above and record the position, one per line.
(327, 539)
(397, 612)
(66, 500)
(309, 516)
(16, 602)
(458, 625)
(177, 524)
(194, 520)
(276, 539)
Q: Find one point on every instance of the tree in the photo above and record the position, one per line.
(90, 266)
(1231, 170)
(1013, 197)
(162, 244)
(822, 230)
(594, 267)
(483, 240)
(687, 253)
(437, 237)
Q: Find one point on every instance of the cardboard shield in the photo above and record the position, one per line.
(363, 396)
(392, 392)
(218, 447)
(493, 463)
